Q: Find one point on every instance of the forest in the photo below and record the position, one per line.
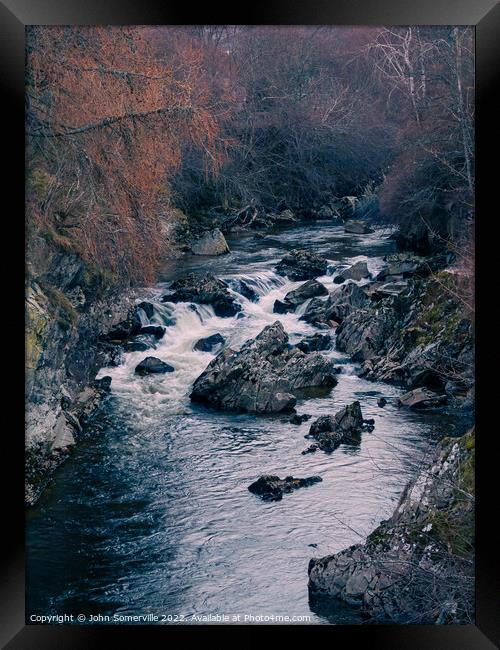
(127, 126)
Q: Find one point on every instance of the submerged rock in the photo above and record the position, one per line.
(299, 419)
(294, 298)
(210, 243)
(344, 427)
(205, 290)
(300, 264)
(264, 376)
(152, 365)
(242, 287)
(210, 343)
(358, 228)
(272, 488)
(358, 271)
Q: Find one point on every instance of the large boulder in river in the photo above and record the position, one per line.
(300, 264)
(358, 271)
(210, 243)
(264, 376)
(205, 290)
(344, 427)
(152, 365)
(357, 228)
(271, 488)
(294, 298)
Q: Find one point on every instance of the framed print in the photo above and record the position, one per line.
(251, 269)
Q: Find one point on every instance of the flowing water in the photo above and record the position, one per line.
(152, 515)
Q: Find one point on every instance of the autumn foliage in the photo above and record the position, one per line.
(124, 124)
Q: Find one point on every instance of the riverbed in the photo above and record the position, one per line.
(151, 514)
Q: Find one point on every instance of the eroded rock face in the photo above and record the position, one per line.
(210, 243)
(300, 264)
(264, 376)
(342, 302)
(152, 365)
(271, 488)
(294, 298)
(410, 570)
(344, 427)
(205, 290)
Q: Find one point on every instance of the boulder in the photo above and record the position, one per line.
(357, 228)
(272, 488)
(147, 308)
(315, 343)
(300, 264)
(344, 427)
(155, 330)
(357, 272)
(421, 398)
(294, 298)
(210, 343)
(382, 401)
(285, 217)
(140, 343)
(152, 365)
(365, 332)
(205, 290)
(210, 243)
(264, 376)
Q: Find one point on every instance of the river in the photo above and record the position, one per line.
(151, 514)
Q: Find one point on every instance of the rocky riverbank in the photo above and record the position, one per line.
(418, 566)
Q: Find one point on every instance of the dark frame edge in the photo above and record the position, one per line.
(486, 16)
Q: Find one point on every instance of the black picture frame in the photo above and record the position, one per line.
(14, 16)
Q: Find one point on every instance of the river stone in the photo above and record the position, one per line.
(357, 228)
(210, 243)
(210, 343)
(344, 427)
(358, 271)
(147, 308)
(294, 298)
(300, 264)
(421, 398)
(271, 488)
(264, 376)
(205, 290)
(152, 365)
(299, 419)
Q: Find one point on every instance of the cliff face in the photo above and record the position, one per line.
(69, 306)
(418, 566)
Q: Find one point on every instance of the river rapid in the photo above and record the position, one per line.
(151, 514)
